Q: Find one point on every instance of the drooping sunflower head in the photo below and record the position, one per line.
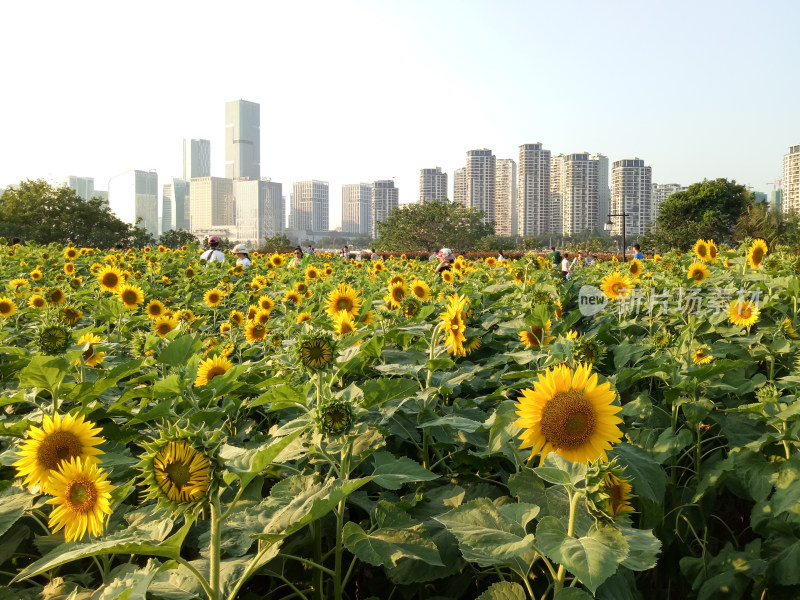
(334, 418)
(608, 492)
(69, 314)
(536, 336)
(635, 267)
(55, 296)
(756, 253)
(588, 349)
(698, 272)
(701, 250)
(210, 368)
(180, 469)
(59, 439)
(410, 306)
(189, 272)
(316, 350)
(7, 307)
(787, 329)
(743, 312)
(569, 413)
(702, 355)
(131, 296)
(54, 339)
(110, 278)
(616, 286)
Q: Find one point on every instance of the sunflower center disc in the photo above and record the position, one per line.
(58, 446)
(213, 372)
(81, 495)
(568, 420)
(179, 474)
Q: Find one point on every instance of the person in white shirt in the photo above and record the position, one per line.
(501, 257)
(242, 256)
(213, 254)
(566, 268)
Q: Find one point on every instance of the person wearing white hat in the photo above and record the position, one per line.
(242, 257)
(446, 259)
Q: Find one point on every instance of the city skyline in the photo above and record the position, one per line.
(680, 105)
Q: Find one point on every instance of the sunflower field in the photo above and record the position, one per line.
(173, 429)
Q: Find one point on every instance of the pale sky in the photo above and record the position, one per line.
(357, 90)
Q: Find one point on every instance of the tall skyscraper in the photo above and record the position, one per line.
(505, 204)
(83, 186)
(790, 196)
(631, 189)
(533, 190)
(460, 186)
(357, 208)
(481, 173)
(242, 140)
(579, 193)
(211, 206)
(557, 186)
(196, 159)
(659, 194)
(603, 190)
(133, 195)
(385, 198)
(310, 205)
(432, 185)
(175, 205)
(259, 210)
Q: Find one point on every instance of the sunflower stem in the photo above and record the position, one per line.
(574, 496)
(214, 570)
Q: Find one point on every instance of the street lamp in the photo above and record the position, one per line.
(609, 225)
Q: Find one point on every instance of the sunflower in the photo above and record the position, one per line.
(788, 329)
(698, 272)
(316, 351)
(18, 283)
(397, 278)
(261, 317)
(756, 253)
(447, 276)
(276, 260)
(312, 273)
(397, 291)
(701, 249)
(343, 298)
(131, 296)
(619, 495)
(189, 272)
(57, 440)
(163, 325)
(69, 314)
(36, 274)
(567, 412)
(254, 332)
(300, 287)
(213, 297)
(266, 303)
(236, 318)
(252, 310)
(90, 357)
(109, 278)
(490, 261)
(455, 323)
(7, 307)
(335, 418)
(81, 499)
(154, 309)
(37, 301)
(54, 339)
(700, 357)
(713, 251)
(292, 297)
(743, 313)
(616, 286)
(343, 323)
(410, 306)
(728, 262)
(473, 345)
(379, 267)
(55, 296)
(421, 290)
(635, 267)
(70, 253)
(210, 368)
(76, 282)
(303, 317)
(181, 472)
(535, 337)
(224, 329)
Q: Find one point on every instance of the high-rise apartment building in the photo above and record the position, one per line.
(505, 203)
(432, 185)
(259, 210)
(790, 195)
(603, 190)
(631, 189)
(310, 205)
(481, 173)
(385, 198)
(211, 206)
(357, 208)
(460, 186)
(242, 140)
(577, 182)
(132, 196)
(196, 159)
(175, 205)
(82, 186)
(533, 190)
(658, 195)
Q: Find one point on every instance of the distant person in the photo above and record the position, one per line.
(446, 260)
(242, 256)
(310, 250)
(589, 260)
(638, 252)
(374, 255)
(578, 261)
(346, 254)
(300, 258)
(213, 254)
(566, 268)
(15, 241)
(500, 256)
(555, 256)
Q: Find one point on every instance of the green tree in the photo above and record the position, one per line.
(708, 210)
(428, 226)
(175, 238)
(36, 211)
(277, 243)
